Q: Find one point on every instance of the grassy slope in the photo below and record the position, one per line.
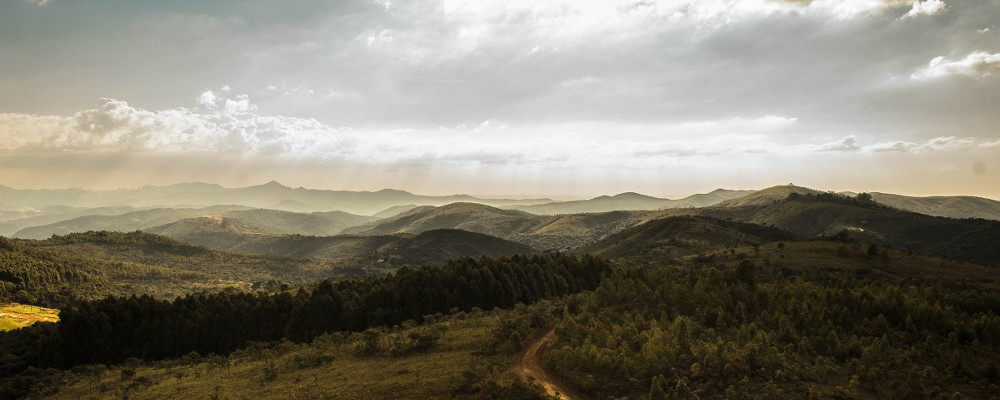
(328, 368)
(14, 315)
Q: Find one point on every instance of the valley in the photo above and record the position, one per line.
(776, 292)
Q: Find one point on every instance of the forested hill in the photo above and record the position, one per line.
(64, 269)
(674, 237)
(380, 251)
(865, 220)
(116, 328)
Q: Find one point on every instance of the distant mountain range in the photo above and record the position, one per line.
(271, 195)
(631, 201)
(914, 223)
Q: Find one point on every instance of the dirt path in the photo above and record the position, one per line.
(531, 370)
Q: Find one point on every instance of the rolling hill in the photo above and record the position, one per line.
(541, 232)
(430, 246)
(284, 222)
(92, 265)
(136, 220)
(766, 196)
(943, 206)
(675, 237)
(466, 216)
(938, 206)
(51, 215)
(631, 201)
(268, 195)
(259, 220)
(831, 214)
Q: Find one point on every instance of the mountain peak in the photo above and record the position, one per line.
(631, 195)
(273, 184)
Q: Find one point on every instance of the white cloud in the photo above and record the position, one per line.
(936, 144)
(848, 143)
(117, 126)
(234, 129)
(230, 125)
(977, 64)
(39, 2)
(896, 146)
(947, 143)
(925, 8)
(208, 99)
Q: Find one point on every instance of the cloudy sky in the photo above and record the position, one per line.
(567, 98)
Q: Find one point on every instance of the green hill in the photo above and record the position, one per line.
(675, 237)
(831, 214)
(541, 232)
(136, 220)
(382, 251)
(91, 265)
(630, 201)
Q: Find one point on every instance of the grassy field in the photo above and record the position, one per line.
(14, 315)
(334, 366)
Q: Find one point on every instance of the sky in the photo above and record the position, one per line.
(566, 99)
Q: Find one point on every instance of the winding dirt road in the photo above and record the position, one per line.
(532, 371)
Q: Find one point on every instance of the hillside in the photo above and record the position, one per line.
(466, 216)
(826, 317)
(541, 232)
(938, 206)
(766, 196)
(91, 265)
(943, 206)
(630, 201)
(460, 363)
(813, 319)
(284, 222)
(675, 237)
(431, 246)
(257, 220)
(49, 215)
(394, 211)
(136, 220)
(830, 214)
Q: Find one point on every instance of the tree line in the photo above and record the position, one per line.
(117, 328)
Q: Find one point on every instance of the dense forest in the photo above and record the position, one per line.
(739, 330)
(117, 328)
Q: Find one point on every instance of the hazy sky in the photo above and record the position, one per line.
(503, 97)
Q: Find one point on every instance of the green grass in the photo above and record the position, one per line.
(15, 316)
(7, 324)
